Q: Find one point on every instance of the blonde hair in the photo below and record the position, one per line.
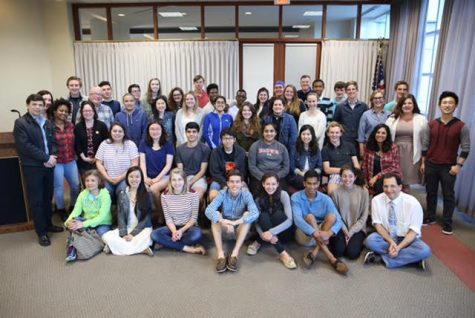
(334, 124)
(184, 101)
(292, 106)
(181, 173)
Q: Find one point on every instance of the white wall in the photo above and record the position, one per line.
(36, 52)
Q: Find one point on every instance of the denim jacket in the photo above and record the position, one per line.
(297, 160)
(288, 130)
(144, 216)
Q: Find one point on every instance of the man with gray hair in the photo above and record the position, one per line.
(104, 112)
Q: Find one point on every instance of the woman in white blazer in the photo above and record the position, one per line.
(407, 127)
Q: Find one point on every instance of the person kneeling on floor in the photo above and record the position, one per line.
(397, 218)
(238, 212)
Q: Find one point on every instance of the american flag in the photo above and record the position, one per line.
(378, 78)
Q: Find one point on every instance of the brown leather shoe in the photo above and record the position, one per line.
(221, 265)
(232, 263)
(340, 267)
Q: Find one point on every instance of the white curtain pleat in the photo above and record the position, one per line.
(174, 63)
(349, 60)
(454, 71)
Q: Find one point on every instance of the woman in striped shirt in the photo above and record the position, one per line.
(180, 208)
(114, 157)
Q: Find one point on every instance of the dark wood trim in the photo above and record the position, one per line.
(358, 21)
(223, 3)
(76, 23)
(279, 62)
(324, 21)
(202, 13)
(155, 5)
(20, 227)
(109, 23)
(236, 22)
(281, 14)
(241, 65)
(155, 21)
(319, 60)
(284, 40)
(7, 145)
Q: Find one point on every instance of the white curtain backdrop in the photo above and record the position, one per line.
(455, 71)
(349, 60)
(174, 63)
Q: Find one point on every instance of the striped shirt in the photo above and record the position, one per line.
(180, 208)
(117, 160)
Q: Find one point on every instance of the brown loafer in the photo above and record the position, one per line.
(232, 263)
(308, 259)
(221, 265)
(339, 266)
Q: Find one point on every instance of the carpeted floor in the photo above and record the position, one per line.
(35, 282)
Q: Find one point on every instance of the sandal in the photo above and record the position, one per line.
(308, 259)
(339, 266)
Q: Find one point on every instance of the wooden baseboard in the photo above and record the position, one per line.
(20, 227)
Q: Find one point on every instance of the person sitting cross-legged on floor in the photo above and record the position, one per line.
(397, 218)
(317, 221)
(238, 212)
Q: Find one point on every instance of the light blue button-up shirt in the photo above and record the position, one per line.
(320, 208)
(232, 207)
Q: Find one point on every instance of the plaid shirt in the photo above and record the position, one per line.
(65, 139)
(389, 163)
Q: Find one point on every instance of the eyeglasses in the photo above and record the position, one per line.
(378, 98)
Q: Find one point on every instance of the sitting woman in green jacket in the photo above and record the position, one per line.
(92, 210)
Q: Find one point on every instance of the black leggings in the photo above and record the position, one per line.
(339, 247)
(267, 221)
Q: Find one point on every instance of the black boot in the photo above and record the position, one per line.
(62, 214)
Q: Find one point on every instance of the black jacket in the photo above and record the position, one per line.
(80, 141)
(29, 141)
(217, 164)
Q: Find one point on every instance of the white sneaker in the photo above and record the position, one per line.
(253, 248)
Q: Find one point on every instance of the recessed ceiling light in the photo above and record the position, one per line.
(121, 15)
(312, 13)
(248, 13)
(291, 36)
(188, 28)
(301, 26)
(171, 14)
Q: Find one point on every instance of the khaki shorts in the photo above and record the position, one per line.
(201, 183)
(305, 240)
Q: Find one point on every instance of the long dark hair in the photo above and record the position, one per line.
(154, 106)
(372, 144)
(359, 181)
(171, 102)
(143, 200)
(398, 109)
(264, 199)
(124, 139)
(163, 137)
(312, 146)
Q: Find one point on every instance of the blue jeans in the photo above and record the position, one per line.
(115, 189)
(163, 236)
(415, 252)
(70, 172)
(100, 229)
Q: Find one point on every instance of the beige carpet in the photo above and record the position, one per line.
(35, 282)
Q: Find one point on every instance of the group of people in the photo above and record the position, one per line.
(258, 171)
